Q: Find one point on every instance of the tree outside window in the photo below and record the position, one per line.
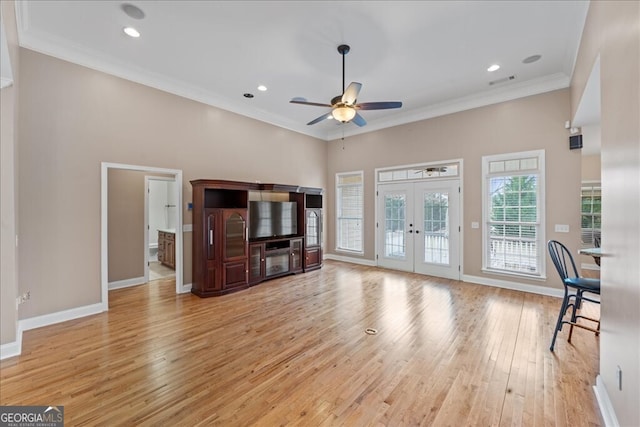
(591, 214)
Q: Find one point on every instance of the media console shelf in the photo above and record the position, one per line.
(233, 250)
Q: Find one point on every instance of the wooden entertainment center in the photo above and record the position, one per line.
(227, 258)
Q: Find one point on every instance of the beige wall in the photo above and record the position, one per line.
(591, 168)
(8, 220)
(532, 123)
(73, 118)
(612, 32)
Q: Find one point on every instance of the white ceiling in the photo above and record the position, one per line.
(431, 55)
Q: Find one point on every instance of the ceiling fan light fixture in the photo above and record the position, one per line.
(345, 107)
(343, 113)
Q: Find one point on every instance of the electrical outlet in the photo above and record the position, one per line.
(562, 228)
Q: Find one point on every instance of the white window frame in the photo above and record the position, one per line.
(539, 171)
(339, 247)
(590, 186)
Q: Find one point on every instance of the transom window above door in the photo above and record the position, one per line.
(419, 172)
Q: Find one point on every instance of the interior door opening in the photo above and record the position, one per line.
(161, 209)
(104, 224)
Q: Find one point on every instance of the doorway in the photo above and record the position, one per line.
(419, 227)
(160, 213)
(104, 223)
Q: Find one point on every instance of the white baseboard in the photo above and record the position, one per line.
(186, 288)
(60, 316)
(534, 289)
(126, 283)
(604, 403)
(352, 260)
(588, 266)
(497, 283)
(15, 348)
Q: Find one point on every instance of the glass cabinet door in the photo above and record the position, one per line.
(313, 228)
(256, 258)
(296, 254)
(234, 238)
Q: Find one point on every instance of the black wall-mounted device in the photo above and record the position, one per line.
(575, 142)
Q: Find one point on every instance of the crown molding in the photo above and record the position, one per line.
(78, 54)
(482, 99)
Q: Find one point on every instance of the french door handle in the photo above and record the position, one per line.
(410, 231)
(417, 231)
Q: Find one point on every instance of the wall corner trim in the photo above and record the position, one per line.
(516, 286)
(604, 403)
(186, 288)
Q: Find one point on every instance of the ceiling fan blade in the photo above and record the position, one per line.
(359, 120)
(379, 105)
(317, 104)
(319, 119)
(350, 95)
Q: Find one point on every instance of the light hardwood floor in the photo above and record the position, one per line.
(294, 351)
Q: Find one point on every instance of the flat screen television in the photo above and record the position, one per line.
(272, 219)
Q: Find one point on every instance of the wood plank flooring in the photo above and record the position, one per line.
(294, 351)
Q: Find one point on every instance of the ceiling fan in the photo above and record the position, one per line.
(344, 107)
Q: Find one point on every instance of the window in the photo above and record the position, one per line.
(350, 206)
(418, 172)
(513, 200)
(590, 214)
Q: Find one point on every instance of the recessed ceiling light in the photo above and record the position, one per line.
(248, 95)
(132, 11)
(131, 32)
(530, 59)
(494, 67)
(262, 88)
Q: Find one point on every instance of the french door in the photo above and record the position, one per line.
(419, 227)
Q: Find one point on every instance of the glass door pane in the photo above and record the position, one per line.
(394, 225)
(313, 229)
(234, 236)
(436, 227)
